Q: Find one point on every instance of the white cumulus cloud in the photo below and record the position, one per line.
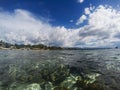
(23, 28)
(81, 19)
(102, 29)
(80, 1)
(87, 11)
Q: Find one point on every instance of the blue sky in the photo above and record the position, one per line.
(68, 23)
(58, 12)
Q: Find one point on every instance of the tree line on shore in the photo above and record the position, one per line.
(43, 47)
(22, 46)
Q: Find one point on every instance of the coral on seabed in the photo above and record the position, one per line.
(49, 76)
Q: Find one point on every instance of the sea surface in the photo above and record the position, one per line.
(60, 69)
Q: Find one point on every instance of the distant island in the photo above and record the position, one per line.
(5, 45)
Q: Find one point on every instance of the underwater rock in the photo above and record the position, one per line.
(33, 86)
(13, 85)
(90, 78)
(13, 70)
(49, 76)
(93, 86)
(16, 86)
(69, 82)
(55, 74)
(1, 85)
(49, 86)
(60, 88)
(78, 83)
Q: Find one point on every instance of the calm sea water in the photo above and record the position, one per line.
(20, 69)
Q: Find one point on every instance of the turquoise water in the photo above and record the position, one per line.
(60, 69)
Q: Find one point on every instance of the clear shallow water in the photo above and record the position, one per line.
(60, 70)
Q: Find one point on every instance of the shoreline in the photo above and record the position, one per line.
(37, 49)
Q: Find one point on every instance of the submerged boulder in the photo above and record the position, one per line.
(17, 86)
(33, 86)
(69, 82)
(48, 86)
